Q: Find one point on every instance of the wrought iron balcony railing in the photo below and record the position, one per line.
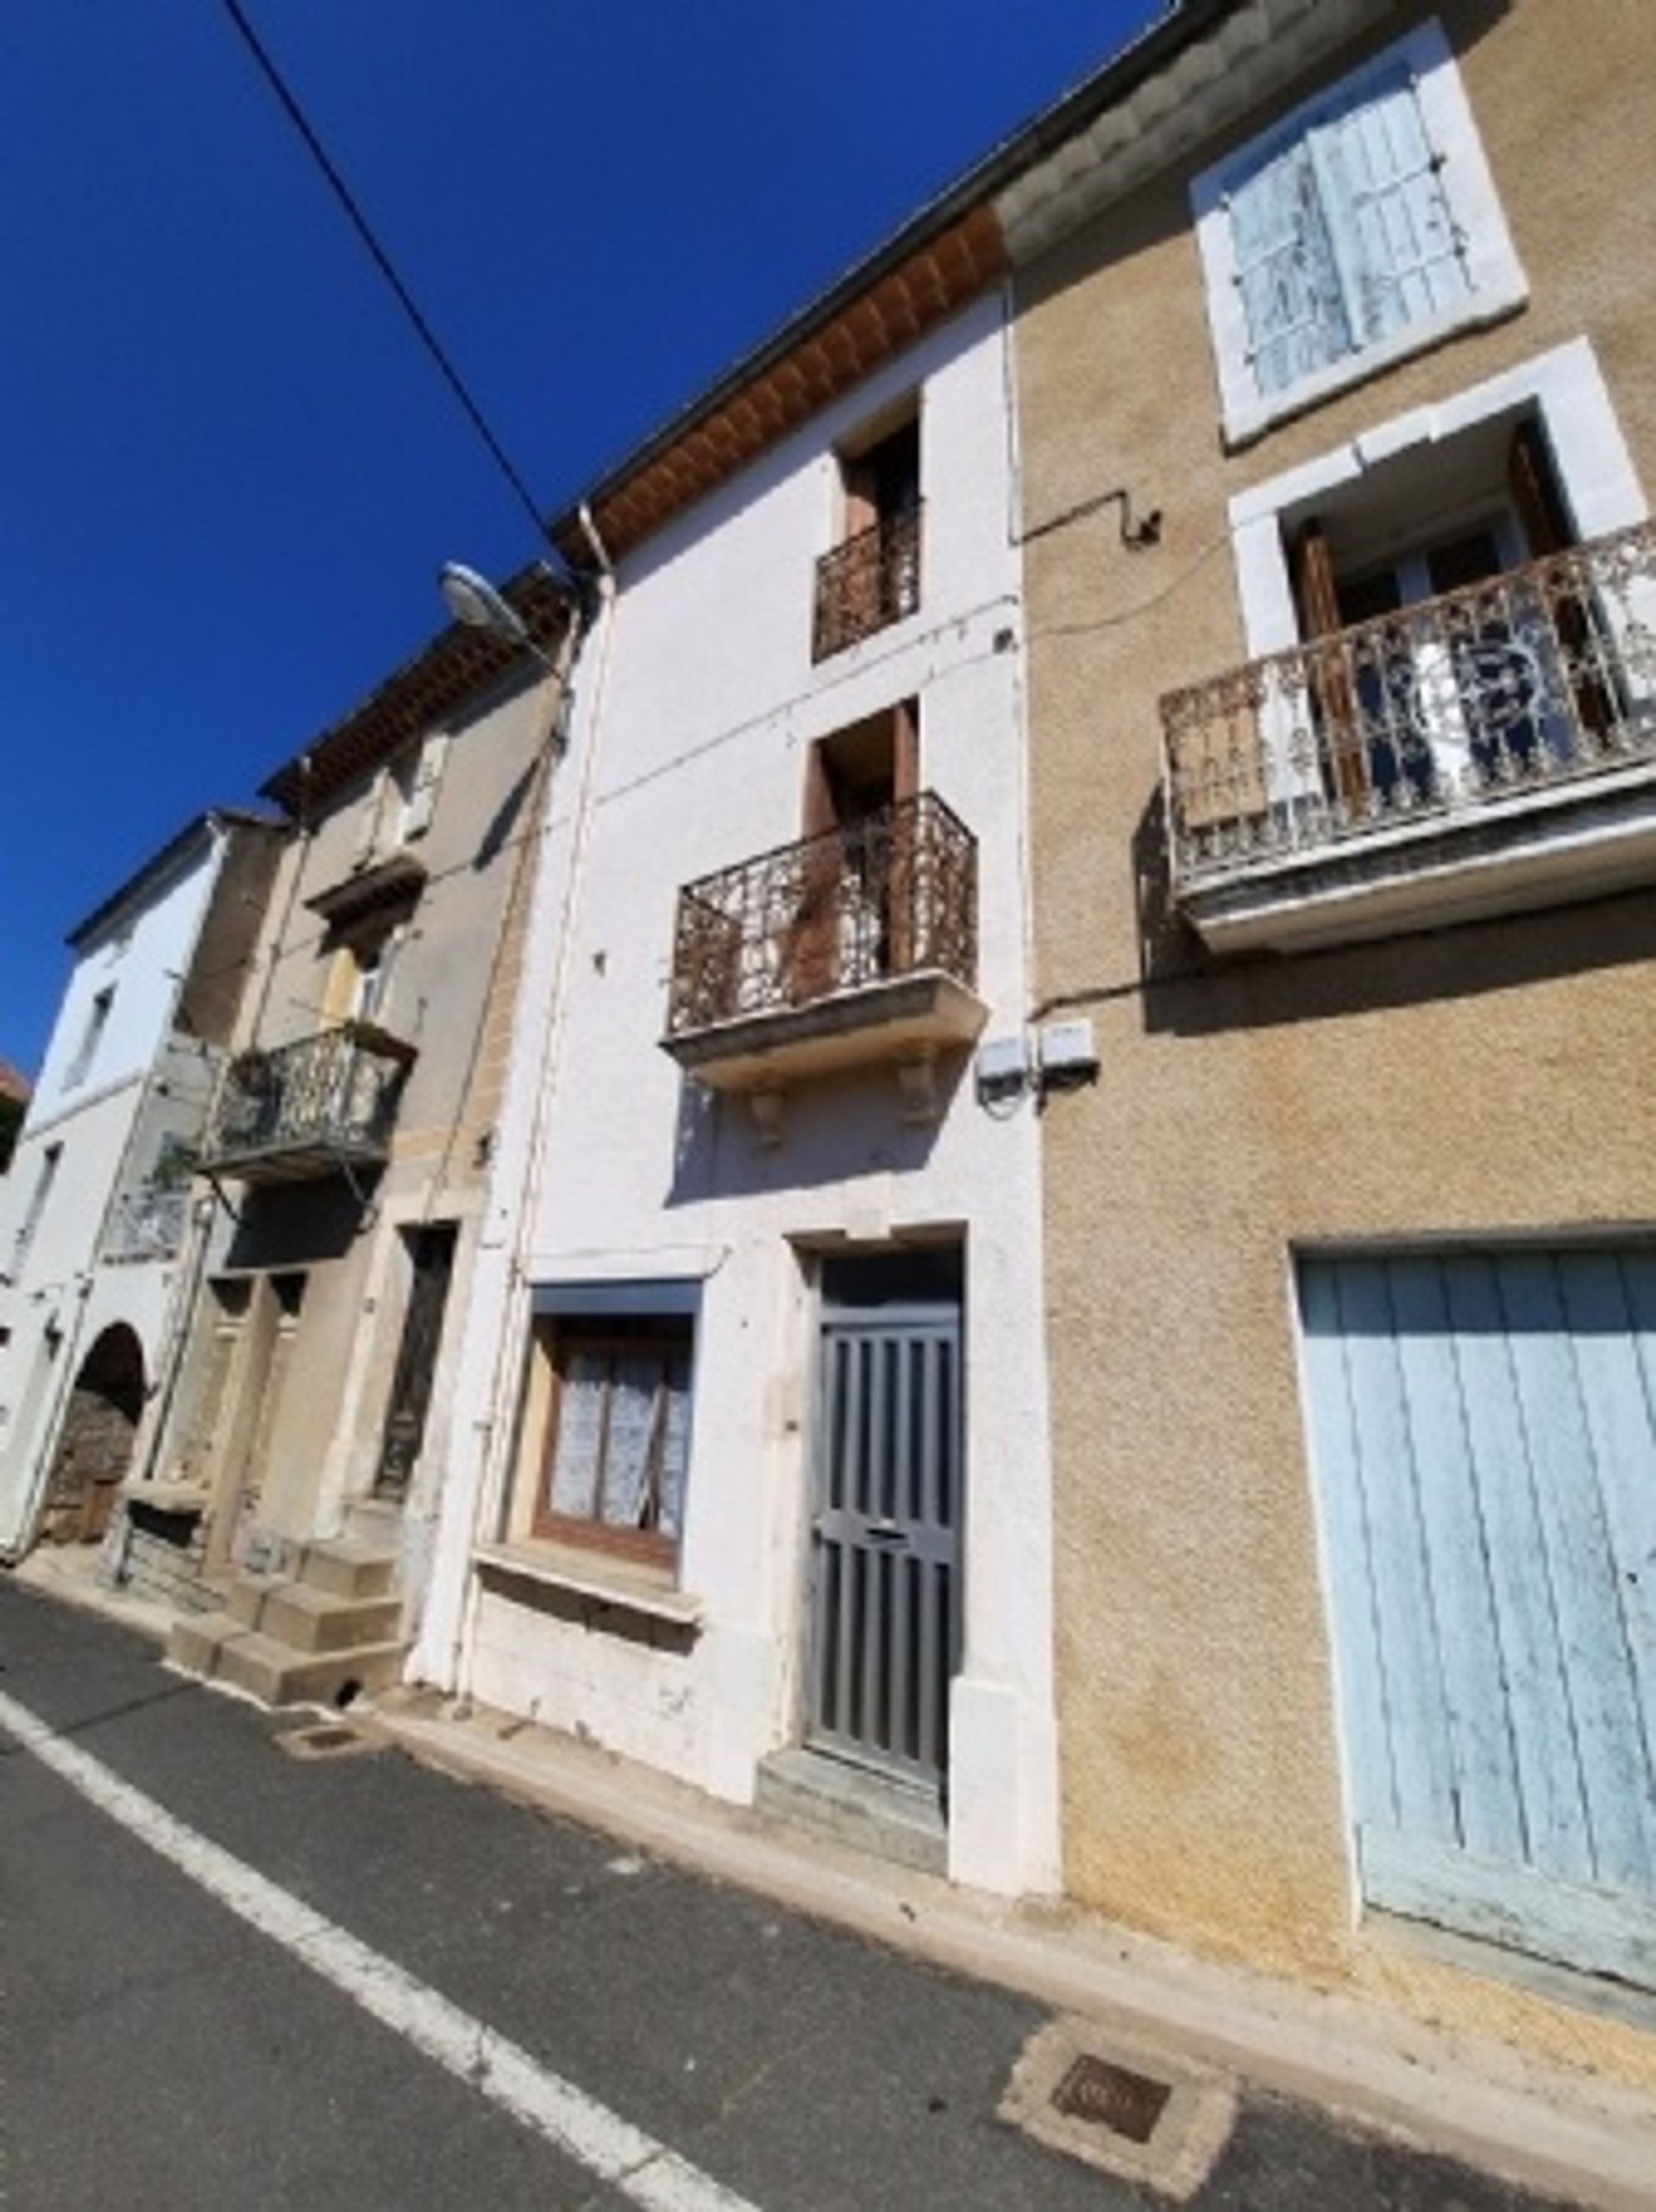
(1540, 680)
(892, 895)
(147, 1223)
(307, 1107)
(870, 581)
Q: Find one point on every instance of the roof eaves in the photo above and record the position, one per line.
(197, 830)
(1115, 81)
(453, 668)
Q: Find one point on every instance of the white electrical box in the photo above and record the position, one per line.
(1068, 1048)
(1002, 1064)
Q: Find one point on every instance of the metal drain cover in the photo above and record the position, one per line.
(328, 1739)
(1146, 2117)
(1107, 2095)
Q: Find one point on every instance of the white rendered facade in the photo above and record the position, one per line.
(121, 1077)
(697, 705)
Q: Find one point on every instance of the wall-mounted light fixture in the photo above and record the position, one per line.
(472, 599)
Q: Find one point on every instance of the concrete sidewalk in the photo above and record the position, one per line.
(1543, 2127)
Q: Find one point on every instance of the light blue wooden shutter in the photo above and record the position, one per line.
(1344, 235)
(1393, 241)
(1484, 1432)
(1285, 267)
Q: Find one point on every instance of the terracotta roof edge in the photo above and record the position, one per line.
(1151, 49)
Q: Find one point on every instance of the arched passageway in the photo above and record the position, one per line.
(95, 1440)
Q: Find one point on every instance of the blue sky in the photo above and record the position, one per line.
(230, 471)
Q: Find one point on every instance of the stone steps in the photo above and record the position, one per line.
(317, 1635)
(827, 1797)
(346, 1569)
(220, 1648)
(310, 1619)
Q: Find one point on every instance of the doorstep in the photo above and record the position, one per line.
(840, 1803)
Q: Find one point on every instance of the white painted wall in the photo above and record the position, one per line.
(62, 1297)
(696, 702)
(140, 953)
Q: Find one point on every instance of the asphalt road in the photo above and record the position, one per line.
(160, 2054)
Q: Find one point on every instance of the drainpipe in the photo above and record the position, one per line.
(497, 1426)
(427, 1508)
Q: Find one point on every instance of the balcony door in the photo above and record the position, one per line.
(358, 991)
(852, 921)
(1448, 668)
(872, 577)
(1452, 706)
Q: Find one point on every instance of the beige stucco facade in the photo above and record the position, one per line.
(1487, 1081)
(401, 902)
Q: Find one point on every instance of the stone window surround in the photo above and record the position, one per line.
(1565, 388)
(1510, 855)
(1497, 287)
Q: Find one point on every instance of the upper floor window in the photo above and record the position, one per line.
(1450, 709)
(872, 577)
(97, 1020)
(46, 1176)
(401, 801)
(1360, 228)
(358, 985)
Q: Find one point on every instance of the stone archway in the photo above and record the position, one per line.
(94, 1442)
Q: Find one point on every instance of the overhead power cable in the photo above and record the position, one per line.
(364, 230)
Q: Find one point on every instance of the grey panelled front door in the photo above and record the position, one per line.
(886, 1550)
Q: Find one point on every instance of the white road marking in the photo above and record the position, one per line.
(649, 2174)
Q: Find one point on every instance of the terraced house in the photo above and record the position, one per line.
(1344, 837)
(347, 1148)
(1016, 1216)
(763, 1502)
(99, 1239)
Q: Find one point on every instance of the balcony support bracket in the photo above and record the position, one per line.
(765, 1107)
(917, 1082)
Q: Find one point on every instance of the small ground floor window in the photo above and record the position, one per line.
(606, 1436)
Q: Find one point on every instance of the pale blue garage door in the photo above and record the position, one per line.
(1484, 1430)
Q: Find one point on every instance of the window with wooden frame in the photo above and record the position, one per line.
(853, 920)
(872, 576)
(400, 801)
(608, 1442)
(1417, 693)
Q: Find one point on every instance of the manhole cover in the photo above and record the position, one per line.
(328, 1739)
(1147, 2116)
(1112, 2096)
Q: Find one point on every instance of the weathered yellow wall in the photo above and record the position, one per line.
(1491, 1078)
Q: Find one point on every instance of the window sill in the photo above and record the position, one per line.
(605, 1585)
(1249, 414)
